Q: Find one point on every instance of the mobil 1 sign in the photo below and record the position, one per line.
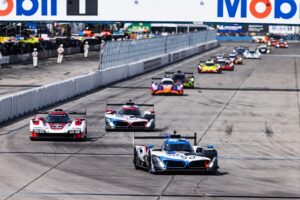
(48, 10)
(235, 11)
(259, 11)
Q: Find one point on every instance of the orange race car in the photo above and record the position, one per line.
(166, 86)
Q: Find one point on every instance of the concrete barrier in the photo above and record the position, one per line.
(35, 99)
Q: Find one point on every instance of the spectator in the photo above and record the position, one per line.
(60, 52)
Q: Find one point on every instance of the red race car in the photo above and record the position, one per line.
(282, 44)
(225, 64)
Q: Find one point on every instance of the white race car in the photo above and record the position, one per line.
(57, 124)
(175, 155)
(129, 117)
(252, 54)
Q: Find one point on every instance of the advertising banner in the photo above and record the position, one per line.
(232, 11)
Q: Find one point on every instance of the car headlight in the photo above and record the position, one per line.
(109, 122)
(158, 162)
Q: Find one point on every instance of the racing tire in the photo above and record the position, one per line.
(136, 161)
(32, 139)
(232, 69)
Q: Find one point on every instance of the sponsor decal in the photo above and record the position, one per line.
(260, 9)
(28, 7)
(82, 7)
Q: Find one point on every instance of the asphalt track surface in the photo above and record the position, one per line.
(251, 115)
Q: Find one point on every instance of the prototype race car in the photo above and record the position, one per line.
(175, 155)
(166, 86)
(209, 67)
(252, 54)
(240, 50)
(186, 78)
(260, 39)
(57, 124)
(225, 64)
(129, 117)
(236, 59)
(282, 44)
(273, 42)
(264, 49)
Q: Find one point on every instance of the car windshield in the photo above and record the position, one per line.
(167, 82)
(178, 147)
(58, 119)
(179, 77)
(251, 51)
(222, 63)
(210, 64)
(240, 50)
(131, 112)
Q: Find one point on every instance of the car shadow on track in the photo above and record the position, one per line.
(218, 173)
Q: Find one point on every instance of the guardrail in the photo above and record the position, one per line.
(36, 99)
(4, 60)
(125, 52)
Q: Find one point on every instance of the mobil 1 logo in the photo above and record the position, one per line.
(82, 7)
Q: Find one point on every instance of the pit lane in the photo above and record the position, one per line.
(251, 115)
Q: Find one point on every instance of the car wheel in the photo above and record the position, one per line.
(136, 161)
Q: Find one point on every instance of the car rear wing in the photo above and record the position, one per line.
(187, 73)
(156, 78)
(129, 103)
(69, 113)
(160, 137)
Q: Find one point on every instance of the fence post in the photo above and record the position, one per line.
(166, 44)
(101, 54)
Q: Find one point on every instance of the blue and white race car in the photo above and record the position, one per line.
(129, 117)
(175, 155)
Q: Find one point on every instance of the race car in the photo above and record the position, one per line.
(240, 50)
(225, 64)
(264, 49)
(129, 117)
(166, 86)
(282, 44)
(209, 67)
(176, 154)
(58, 124)
(220, 56)
(252, 54)
(236, 59)
(260, 39)
(273, 42)
(186, 78)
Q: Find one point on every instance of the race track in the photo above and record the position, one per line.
(251, 115)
